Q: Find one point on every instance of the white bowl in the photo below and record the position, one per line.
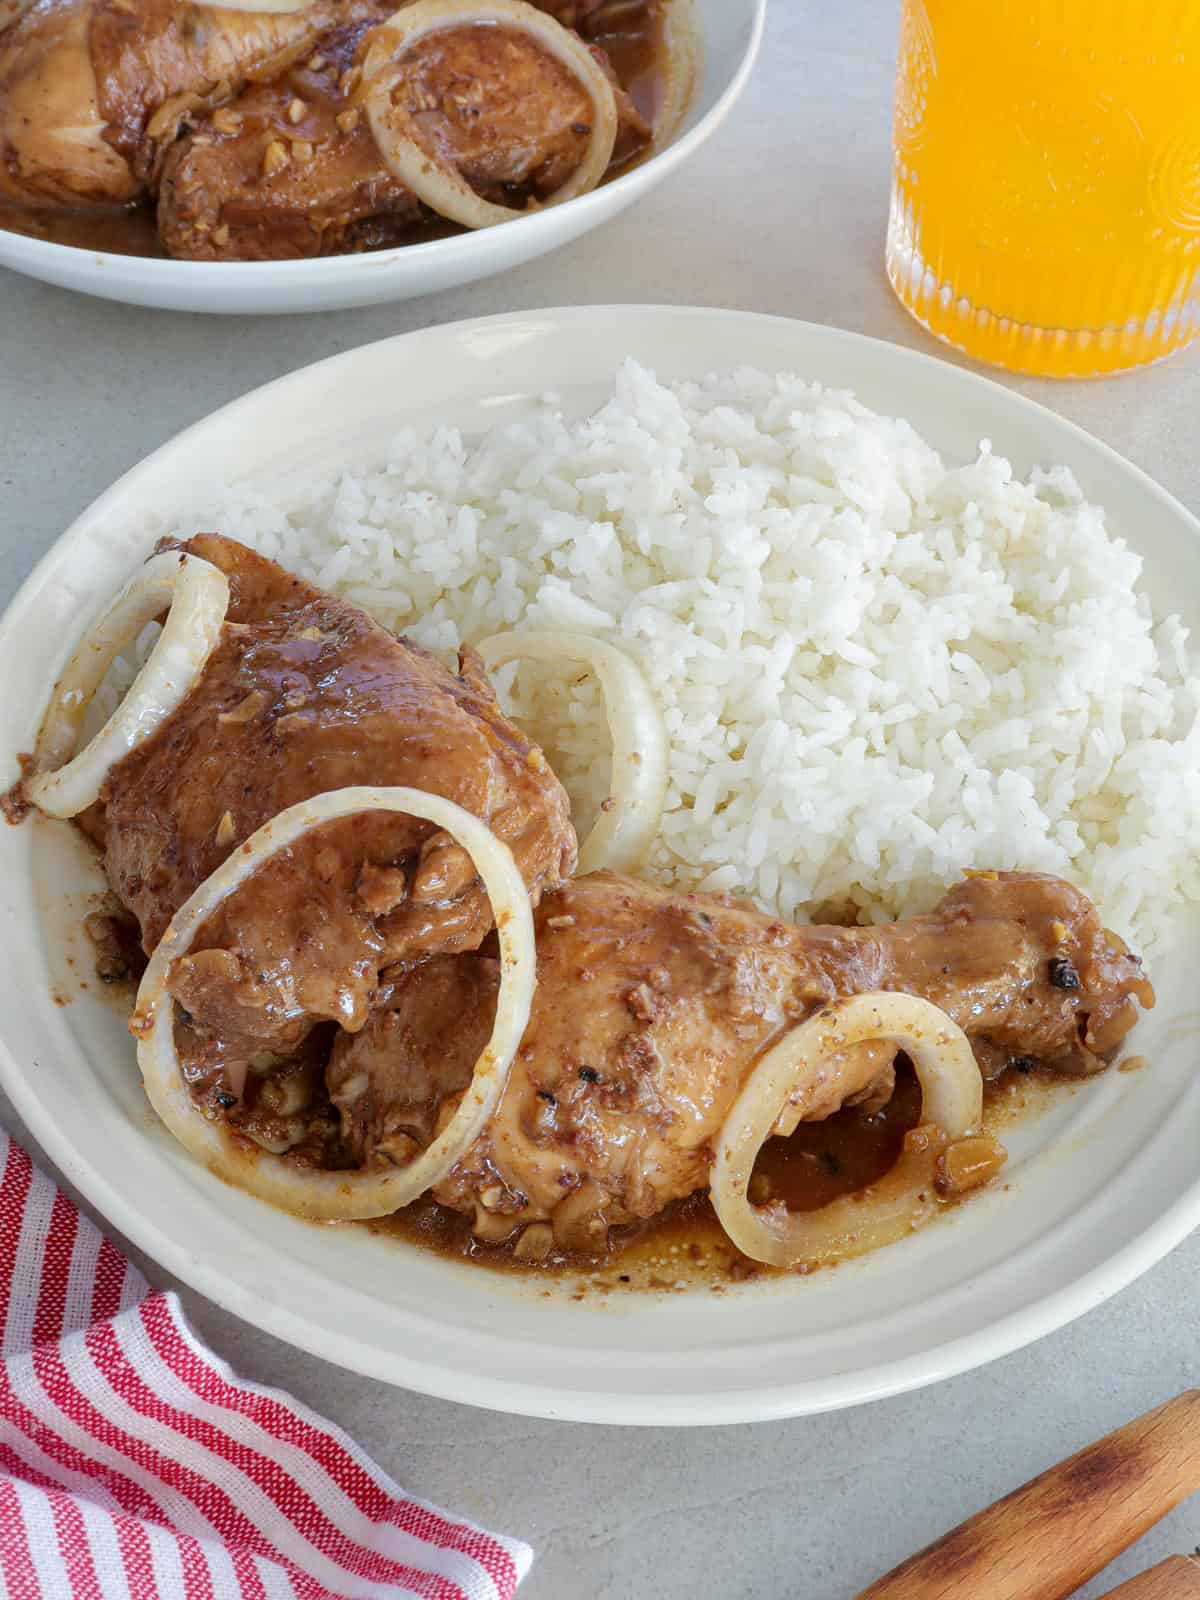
(728, 35)
(1099, 1187)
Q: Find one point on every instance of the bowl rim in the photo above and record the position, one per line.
(241, 274)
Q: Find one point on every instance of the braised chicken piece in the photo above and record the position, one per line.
(292, 169)
(289, 170)
(92, 92)
(652, 1007)
(306, 694)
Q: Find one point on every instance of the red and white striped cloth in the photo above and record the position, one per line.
(134, 1465)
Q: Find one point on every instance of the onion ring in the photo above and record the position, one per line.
(952, 1100)
(341, 1196)
(625, 831)
(436, 182)
(197, 593)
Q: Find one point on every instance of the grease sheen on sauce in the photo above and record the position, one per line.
(685, 1247)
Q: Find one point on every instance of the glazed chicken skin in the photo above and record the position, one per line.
(292, 169)
(92, 92)
(305, 694)
(288, 170)
(652, 1007)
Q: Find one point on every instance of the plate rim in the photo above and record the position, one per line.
(1005, 1334)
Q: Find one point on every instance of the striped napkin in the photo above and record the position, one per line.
(134, 1465)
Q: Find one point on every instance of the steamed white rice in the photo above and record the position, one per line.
(875, 669)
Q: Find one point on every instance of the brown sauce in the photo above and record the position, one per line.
(685, 1247)
(635, 41)
(634, 37)
(133, 232)
(822, 1161)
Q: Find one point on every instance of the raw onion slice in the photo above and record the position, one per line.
(197, 594)
(340, 1196)
(788, 1076)
(627, 827)
(436, 182)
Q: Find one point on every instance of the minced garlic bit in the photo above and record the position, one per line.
(248, 708)
(968, 1164)
(536, 1243)
(275, 158)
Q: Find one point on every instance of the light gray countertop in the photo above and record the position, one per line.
(783, 212)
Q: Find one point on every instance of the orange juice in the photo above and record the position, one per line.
(1046, 186)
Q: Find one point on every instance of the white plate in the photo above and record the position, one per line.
(1100, 1188)
(728, 33)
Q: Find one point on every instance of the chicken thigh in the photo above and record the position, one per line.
(305, 694)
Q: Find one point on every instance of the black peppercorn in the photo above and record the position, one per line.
(1063, 974)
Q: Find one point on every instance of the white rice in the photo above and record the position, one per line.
(875, 670)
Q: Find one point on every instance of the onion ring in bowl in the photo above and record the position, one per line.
(341, 1196)
(624, 832)
(789, 1074)
(434, 181)
(197, 593)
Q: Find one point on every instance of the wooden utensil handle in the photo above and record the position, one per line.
(1046, 1539)
(1176, 1579)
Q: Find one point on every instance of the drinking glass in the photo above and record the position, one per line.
(1045, 211)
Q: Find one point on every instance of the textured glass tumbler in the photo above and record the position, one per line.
(1045, 210)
